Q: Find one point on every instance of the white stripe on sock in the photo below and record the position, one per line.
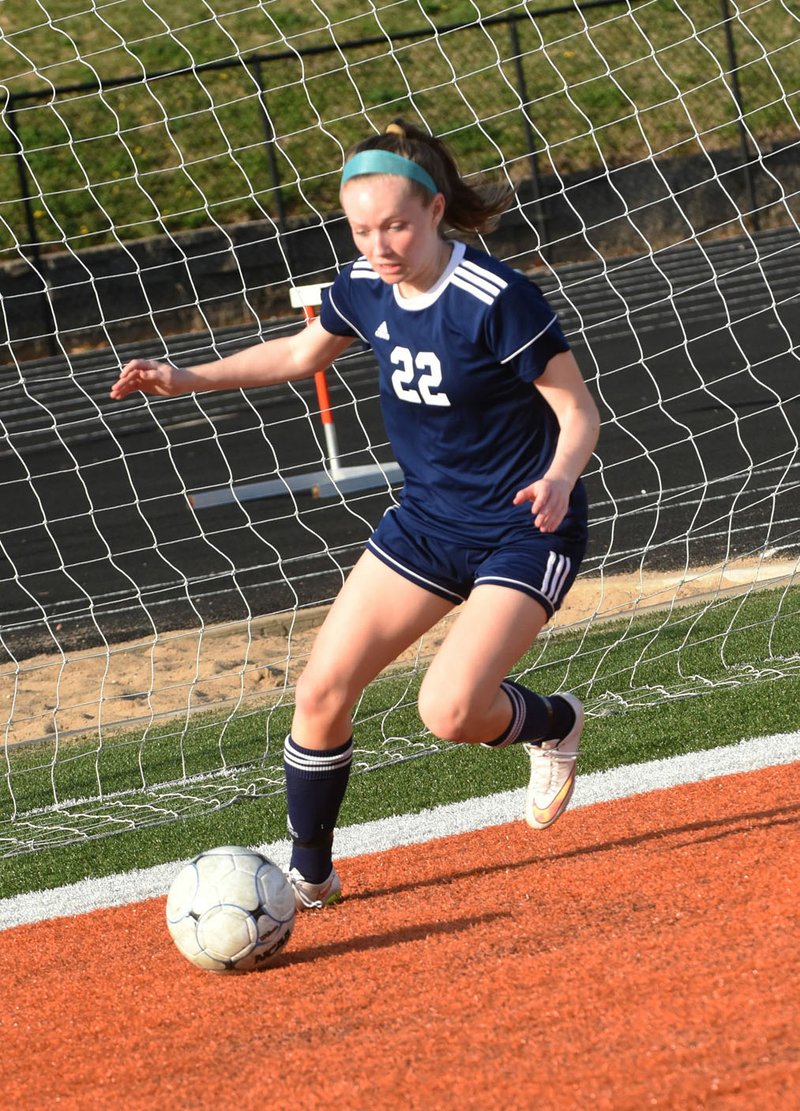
(316, 761)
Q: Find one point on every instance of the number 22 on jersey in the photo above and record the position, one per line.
(417, 378)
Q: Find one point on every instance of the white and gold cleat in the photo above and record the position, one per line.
(553, 766)
(315, 896)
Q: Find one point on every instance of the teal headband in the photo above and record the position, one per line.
(385, 162)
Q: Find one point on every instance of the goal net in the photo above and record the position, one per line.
(170, 189)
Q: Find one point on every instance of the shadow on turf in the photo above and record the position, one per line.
(714, 830)
(707, 831)
(387, 940)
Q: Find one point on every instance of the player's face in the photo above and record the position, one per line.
(396, 230)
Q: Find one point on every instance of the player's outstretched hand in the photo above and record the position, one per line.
(150, 376)
(549, 498)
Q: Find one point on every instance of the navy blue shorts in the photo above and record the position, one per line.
(542, 565)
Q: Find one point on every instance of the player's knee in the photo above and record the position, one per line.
(446, 715)
(320, 697)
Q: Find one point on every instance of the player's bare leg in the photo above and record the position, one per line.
(461, 698)
(376, 616)
(467, 698)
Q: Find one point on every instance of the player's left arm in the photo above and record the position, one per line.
(563, 388)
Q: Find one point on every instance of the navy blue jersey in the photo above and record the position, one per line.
(457, 365)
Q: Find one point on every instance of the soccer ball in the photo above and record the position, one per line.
(230, 910)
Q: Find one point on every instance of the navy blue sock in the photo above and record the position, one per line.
(533, 717)
(315, 785)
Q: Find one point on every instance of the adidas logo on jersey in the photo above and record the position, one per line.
(382, 331)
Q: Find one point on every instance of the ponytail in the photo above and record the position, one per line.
(468, 208)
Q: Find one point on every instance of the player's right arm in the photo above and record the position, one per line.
(285, 359)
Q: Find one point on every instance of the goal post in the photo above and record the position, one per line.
(170, 189)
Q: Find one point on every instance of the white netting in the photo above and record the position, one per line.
(169, 175)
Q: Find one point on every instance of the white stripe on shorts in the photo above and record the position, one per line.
(414, 576)
(558, 567)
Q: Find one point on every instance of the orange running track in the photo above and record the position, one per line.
(639, 954)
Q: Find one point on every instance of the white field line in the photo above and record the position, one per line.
(441, 821)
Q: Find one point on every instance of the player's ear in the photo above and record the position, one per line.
(438, 205)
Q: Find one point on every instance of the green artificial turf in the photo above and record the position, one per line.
(664, 684)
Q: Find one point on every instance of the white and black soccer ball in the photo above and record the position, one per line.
(230, 910)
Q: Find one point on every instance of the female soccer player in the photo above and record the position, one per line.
(492, 424)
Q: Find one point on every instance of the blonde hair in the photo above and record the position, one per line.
(467, 208)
